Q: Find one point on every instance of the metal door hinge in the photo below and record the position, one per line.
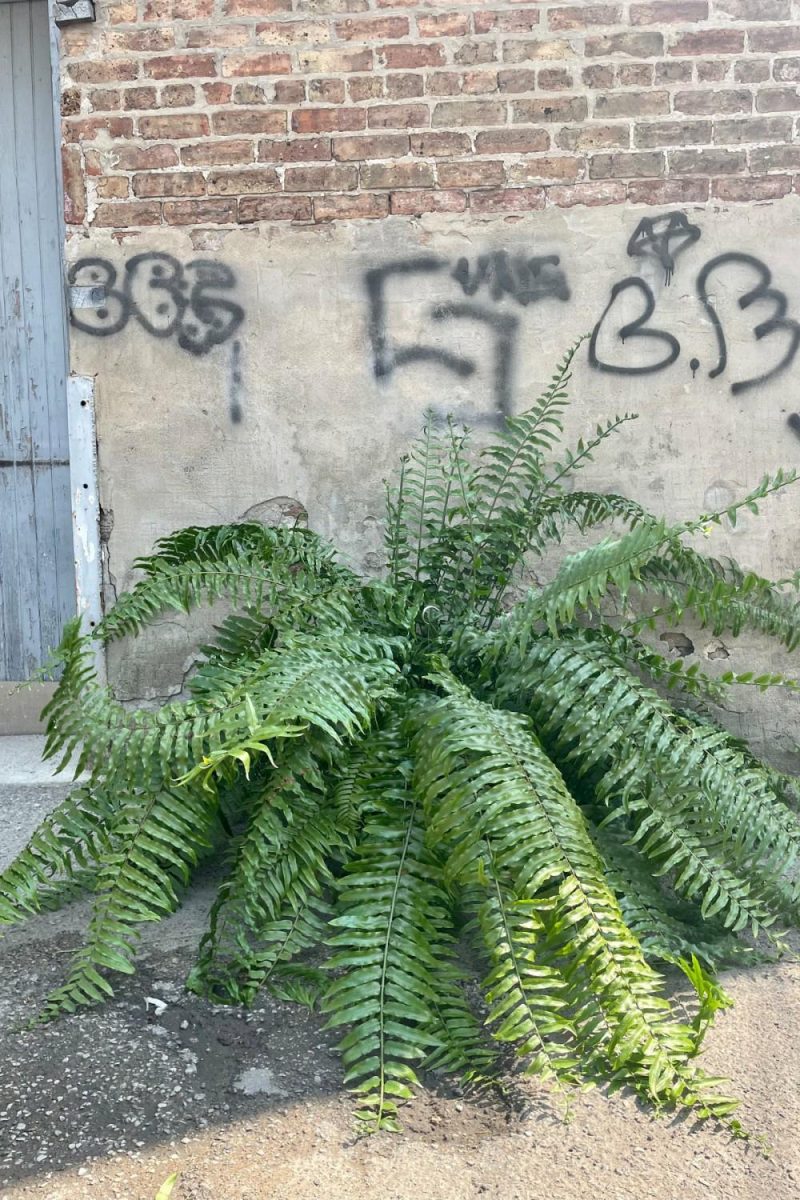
(70, 12)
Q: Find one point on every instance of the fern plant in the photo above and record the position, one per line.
(393, 770)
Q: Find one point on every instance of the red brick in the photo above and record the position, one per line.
(289, 91)
(255, 8)
(588, 194)
(323, 120)
(518, 79)
(145, 158)
(565, 168)
(122, 14)
(406, 57)
(398, 116)
(412, 204)
(294, 150)
(366, 87)
(333, 62)
(368, 147)
(274, 208)
(554, 79)
(479, 83)
(669, 12)
(753, 129)
(765, 160)
(751, 70)
(708, 41)
(252, 120)
(469, 112)
(583, 15)
(713, 103)
(74, 185)
(256, 64)
(446, 25)
(126, 216)
(706, 162)
(471, 174)
(217, 154)
(174, 126)
(113, 187)
(169, 183)
(88, 128)
(668, 191)
(633, 75)
(507, 22)
(107, 71)
(243, 183)
(177, 95)
(593, 136)
(636, 45)
(343, 208)
(755, 10)
(217, 93)
(772, 187)
(713, 70)
(388, 176)
(517, 52)
(512, 141)
(777, 39)
(181, 66)
(200, 212)
(440, 145)
(656, 134)
(330, 177)
(141, 40)
(507, 200)
(627, 166)
(561, 108)
(191, 10)
(291, 33)
(372, 29)
(217, 36)
(107, 99)
(404, 86)
(778, 100)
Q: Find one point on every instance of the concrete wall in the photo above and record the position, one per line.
(295, 364)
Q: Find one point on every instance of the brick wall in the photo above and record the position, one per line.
(222, 112)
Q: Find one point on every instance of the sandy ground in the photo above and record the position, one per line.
(249, 1106)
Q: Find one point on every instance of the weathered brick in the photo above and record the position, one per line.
(479, 83)
(390, 176)
(706, 162)
(141, 41)
(764, 160)
(229, 153)
(398, 116)
(517, 52)
(470, 54)
(631, 104)
(469, 112)
(369, 205)
(669, 12)
(591, 194)
(778, 100)
(289, 91)
(598, 76)
(774, 39)
(74, 185)
(333, 62)
(444, 83)
(519, 21)
(635, 75)
(181, 66)
(507, 200)
(217, 93)
(753, 129)
(243, 183)
(440, 145)
(236, 65)
(636, 45)
(107, 99)
(113, 70)
(512, 141)
(786, 70)
(169, 183)
(564, 168)
(517, 80)
(323, 120)
(754, 10)
(414, 203)
(145, 158)
(407, 57)
(217, 36)
(707, 41)
(584, 15)
(177, 95)
(308, 149)
(713, 70)
(646, 165)
(127, 215)
(327, 177)
(592, 136)
(404, 86)
(653, 134)
(668, 191)
(673, 71)
(200, 212)
(554, 79)
(113, 187)
(291, 33)
(372, 29)
(444, 25)
(254, 8)
(70, 102)
(751, 70)
(561, 108)
(244, 120)
(770, 187)
(88, 128)
(274, 208)
(366, 87)
(471, 174)
(370, 146)
(713, 103)
(177, 126)
(326, 91)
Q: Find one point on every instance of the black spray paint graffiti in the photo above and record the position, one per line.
(165, 297)
(525, 279)
(664, 238)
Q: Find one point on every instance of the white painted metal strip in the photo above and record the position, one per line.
(85, 505)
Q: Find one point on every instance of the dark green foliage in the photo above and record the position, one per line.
(395, 771)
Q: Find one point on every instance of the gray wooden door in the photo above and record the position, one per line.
(37, 574)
